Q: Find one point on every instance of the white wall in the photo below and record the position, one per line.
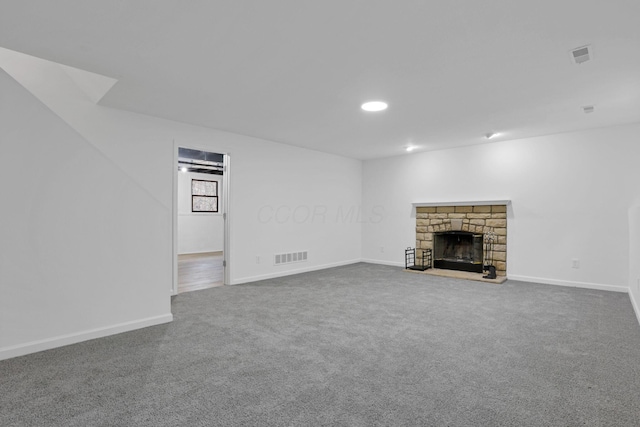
(570, 196)
(75, 233)
(286, 199)
(198, 231)
(89, 258)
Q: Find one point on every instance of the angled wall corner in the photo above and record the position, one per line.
(71, 95)
(84, 248)
(95, 86)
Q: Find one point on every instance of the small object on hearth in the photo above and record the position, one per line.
(492, 272)
(421, 263)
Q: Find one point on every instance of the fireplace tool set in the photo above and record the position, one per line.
(490, 239)
(420, 263)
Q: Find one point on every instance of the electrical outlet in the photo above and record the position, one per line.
(381, 249)
(257, 259)
(575, 263)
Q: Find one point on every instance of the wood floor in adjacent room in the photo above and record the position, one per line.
(200, 271)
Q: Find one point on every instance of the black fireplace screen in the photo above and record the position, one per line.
(458, 250)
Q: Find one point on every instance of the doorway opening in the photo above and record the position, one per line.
(201, 184)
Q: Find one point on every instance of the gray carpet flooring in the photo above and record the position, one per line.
(360, 345)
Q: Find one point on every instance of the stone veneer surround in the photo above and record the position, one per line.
(475, 219)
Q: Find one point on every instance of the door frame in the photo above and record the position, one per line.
(226, 179)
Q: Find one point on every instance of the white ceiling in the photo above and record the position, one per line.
(296, 71)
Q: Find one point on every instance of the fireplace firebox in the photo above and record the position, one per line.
(458, 250)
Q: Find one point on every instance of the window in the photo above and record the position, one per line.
(204, 196)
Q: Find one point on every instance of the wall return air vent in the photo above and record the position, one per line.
(289, 258)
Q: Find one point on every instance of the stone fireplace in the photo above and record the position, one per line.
(455, 234)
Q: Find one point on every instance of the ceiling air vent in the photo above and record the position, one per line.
(581, 54)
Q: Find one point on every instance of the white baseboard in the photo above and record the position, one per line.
(569, 283)
(381, 262)
(292, 272)
(62, 340)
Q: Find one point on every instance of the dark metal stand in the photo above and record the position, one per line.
(421, 263)
(489, 240)
(492, 272)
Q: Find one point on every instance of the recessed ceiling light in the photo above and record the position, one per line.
(410, 148)
(183, 169)
(491, 135)
(374, 106)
